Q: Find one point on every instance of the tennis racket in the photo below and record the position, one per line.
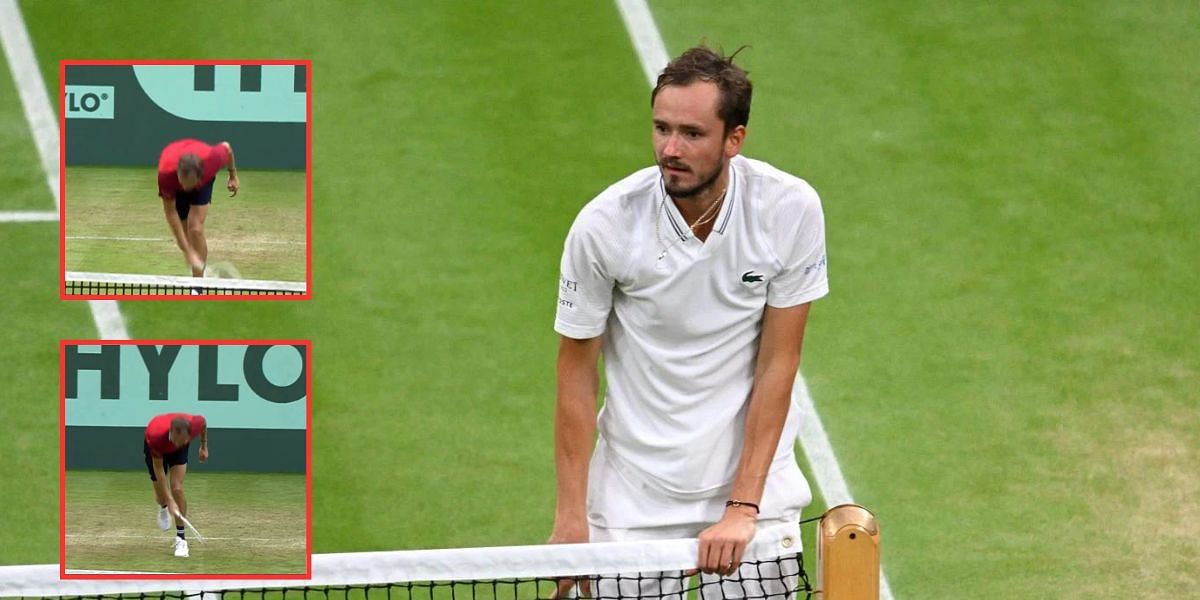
(190, 526)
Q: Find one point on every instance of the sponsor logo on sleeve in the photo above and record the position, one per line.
(817, 266)
(567, 289)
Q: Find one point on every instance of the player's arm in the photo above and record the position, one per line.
(574, 434)
(204, 443)
(177, 230)
(774, 373)
(160, 483)
(231, 166)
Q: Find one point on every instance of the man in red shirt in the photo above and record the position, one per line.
(166, 445)
(186, 171)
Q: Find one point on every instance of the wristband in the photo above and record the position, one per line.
(729, 503)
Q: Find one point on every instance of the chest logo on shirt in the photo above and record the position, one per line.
(751, 277)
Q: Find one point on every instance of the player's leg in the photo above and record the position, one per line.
(200, 201)
(662, 585)
(178, 473)
(176, 466)
(611, 494)
(164, 519)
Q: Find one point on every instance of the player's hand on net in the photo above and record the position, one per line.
(571, 531)
(232, 186)
(583, 583)
(722, 545)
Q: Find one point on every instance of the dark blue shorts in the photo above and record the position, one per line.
(184, 201)
(178, 457)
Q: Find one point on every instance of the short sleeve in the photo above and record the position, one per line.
(166, 187)
(218, 156)
(586, 281)
(799, 242)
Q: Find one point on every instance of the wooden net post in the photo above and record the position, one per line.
(848, 554)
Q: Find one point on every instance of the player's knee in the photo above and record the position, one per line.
(195, 226)
(177, 488)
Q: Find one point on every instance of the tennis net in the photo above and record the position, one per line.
(772, 568)
(116, 284)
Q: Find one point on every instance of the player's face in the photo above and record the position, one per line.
(188, 181)
(690, 145)
(179, 437)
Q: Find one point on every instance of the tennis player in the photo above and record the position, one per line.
(168, 437)
(694, 279)
(186, 171)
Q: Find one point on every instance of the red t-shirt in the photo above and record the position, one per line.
(158, 432)
(211, 157)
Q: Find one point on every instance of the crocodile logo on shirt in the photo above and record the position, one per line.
(751, 277)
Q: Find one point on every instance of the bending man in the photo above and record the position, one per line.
(186, 171)
(166, 444)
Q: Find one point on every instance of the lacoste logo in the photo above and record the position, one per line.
(751, 277)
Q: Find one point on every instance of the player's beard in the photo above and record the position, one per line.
(706, 182)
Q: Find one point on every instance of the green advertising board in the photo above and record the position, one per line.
(125, 114)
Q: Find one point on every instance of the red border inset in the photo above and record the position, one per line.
(62, 178)
(62, 459)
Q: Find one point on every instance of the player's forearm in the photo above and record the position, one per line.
(175, 224)
(765, 417)
(574, 432)
(160, 484)
(574, 435)
(232, 166)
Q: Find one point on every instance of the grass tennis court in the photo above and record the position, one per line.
(115, 224)
(1007, 364)
(252, 523)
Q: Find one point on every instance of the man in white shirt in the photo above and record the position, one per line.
(694, 278)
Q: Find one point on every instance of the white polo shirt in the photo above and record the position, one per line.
(681, 329)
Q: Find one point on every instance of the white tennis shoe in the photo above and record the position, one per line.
(164, 518)
(181, 549)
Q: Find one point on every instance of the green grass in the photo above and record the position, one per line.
(252, 523)
(1007, 364)
(115, 224)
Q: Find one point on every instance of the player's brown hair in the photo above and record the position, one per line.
(181, 424)
(701, 63)
(190, 163)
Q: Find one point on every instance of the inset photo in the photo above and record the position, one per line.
(185, 459)
(185, 180)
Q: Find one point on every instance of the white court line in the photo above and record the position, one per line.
(819, 451)
(647, 41)
(165, 239)
(653, 55)
(103, 536)
(104, 572)
(44, 126)
(27, 216)
(42, 120)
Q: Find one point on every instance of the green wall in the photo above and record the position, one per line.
(254, 397)
(125, 115)
(250, 450)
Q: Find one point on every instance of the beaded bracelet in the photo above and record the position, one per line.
(729, 503)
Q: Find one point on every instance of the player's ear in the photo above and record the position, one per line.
(734, 140)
